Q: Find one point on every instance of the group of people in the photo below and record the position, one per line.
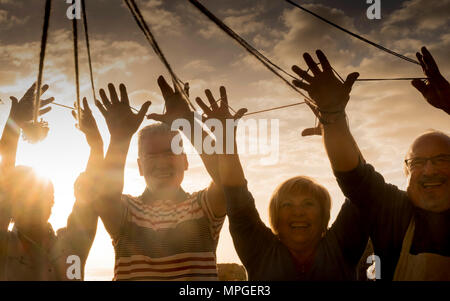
(169, 234)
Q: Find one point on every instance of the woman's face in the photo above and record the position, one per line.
(300, 221)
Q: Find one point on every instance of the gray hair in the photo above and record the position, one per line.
(158, 128)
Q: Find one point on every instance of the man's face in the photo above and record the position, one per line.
(429, 185)
(161, 168)
(34, 207)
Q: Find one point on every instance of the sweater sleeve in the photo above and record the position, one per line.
(387, 210)
(252, 239)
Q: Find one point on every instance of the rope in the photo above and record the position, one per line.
(135, 11)
(354, 34)
(77, 72)
(37, 100)
(275, 108)
(250, 49)
(88, 47)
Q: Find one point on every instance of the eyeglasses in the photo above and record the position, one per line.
(438, 161)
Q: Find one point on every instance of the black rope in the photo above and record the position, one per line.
(250, 49)
(135, 11)
(354, 34)
(88, 47)
(77, 71)
(275, 108)
(37, 100)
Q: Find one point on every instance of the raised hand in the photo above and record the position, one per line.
(87, 125)
(436, 89)
(22, 110)
(329, 94)
(176, 105)
(122, 122)
(220, 112)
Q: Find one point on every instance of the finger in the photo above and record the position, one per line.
(30, 91)
(316, 131)
(45, 110)
(113, 94)
(301, 85)
(211, 99)
(124, 95)
(351, 78)
(166, 90)
(74, 114)
(430, 62)
(104, 98)
(311, 64)
(419, 85)
(223, 96)
(47, 101)
(143, 110)
(157, 117)
(14, 100)
(422, 63)
(203, 106)
(43, 89)
(100, 107)
(86, 107)
(240, 113)
(323, 61)
(302, 73)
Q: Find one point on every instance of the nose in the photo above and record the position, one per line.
(298, 210)
(429, 168)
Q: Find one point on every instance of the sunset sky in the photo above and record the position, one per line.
(384, 116)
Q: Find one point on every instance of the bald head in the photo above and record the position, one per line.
(438, 138)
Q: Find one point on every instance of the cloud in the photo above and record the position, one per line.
(417, 17)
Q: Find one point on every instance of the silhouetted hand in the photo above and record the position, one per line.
(176, 105)
(220, 112)
(87, 125)
(436, 89)
(328, 92)
(22, 111)
(122, 122)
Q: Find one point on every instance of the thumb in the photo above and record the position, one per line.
(240, 113)
(317, 131)
(144, 110)
(157, 117)
(14, 101)
(351, 78)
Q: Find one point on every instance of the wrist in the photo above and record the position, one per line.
(331, 117)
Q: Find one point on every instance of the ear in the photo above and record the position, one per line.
(186, 163)
(140, 167)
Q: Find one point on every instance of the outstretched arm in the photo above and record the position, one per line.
(229, 169)
(436, 89)
(122, 124)
(21, 113)
(330, 97)
(177, 108)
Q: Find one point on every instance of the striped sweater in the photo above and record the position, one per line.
(167, 240)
